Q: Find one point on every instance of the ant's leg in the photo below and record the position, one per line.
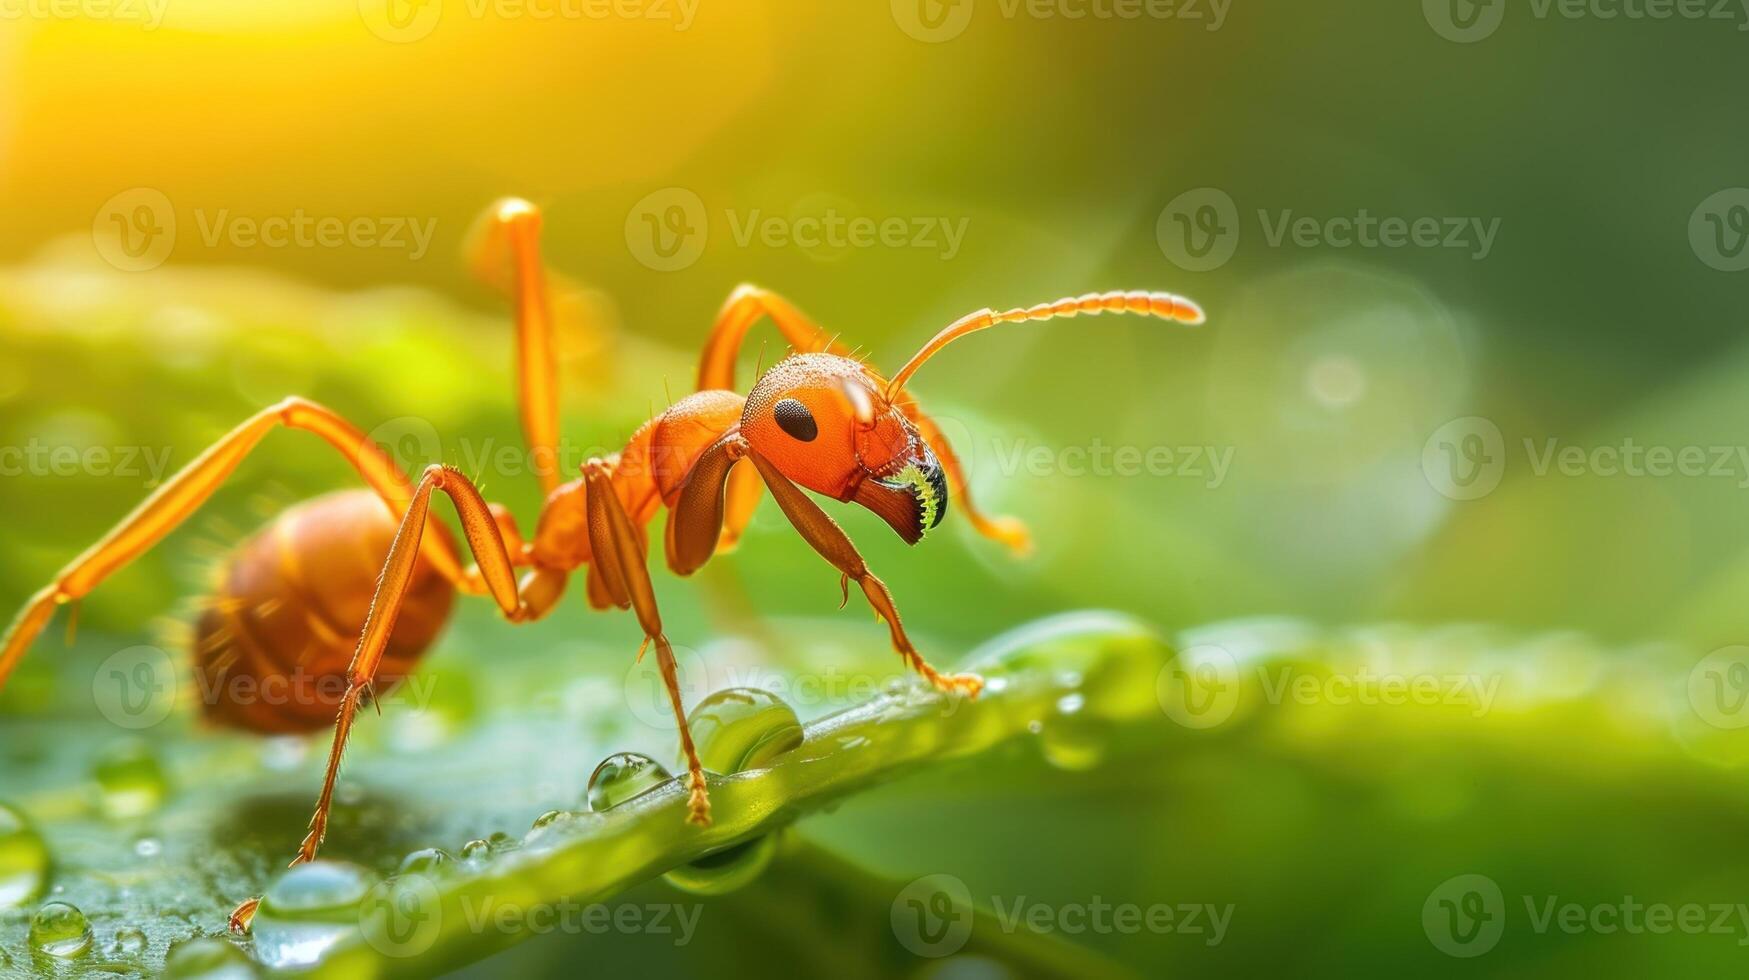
(622, 573)
(182, 495)
(485, 540)
(827, 538)
(511, 229)
(1009, 531)
(744, 307)
(487, 545)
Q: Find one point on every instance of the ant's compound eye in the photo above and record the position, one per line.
(794, 418)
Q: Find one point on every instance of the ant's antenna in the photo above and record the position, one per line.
(1165, 306)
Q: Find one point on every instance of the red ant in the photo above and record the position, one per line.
(820, 420)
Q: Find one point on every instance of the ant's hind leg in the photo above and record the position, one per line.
(486, 542)
(621, 570)
(180, 496)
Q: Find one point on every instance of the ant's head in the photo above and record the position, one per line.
(827, 424)
(834, 426)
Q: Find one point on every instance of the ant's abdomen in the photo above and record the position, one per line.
(273, 644)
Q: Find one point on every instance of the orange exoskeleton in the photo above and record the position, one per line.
(351, 587)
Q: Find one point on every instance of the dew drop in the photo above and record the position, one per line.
(621, 777)
(24, 860)
(547, 819)
(726, 870)
(743, 728)
(476, 850)
(207, 958)
(426, 860)
(128, 942)
(148, 847)
(60, 930)
(736, 730)
(1074, 742)
(130, 781)
(307, 910)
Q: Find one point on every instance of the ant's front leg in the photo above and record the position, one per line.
(827, 538)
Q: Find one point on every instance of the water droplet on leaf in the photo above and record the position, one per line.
(743, 728)
(130, 781)
(426, 860)
(24, 860)
(308, 909)
(128, 942)
(60, 930)
(621, 777)
(207, 959)
(736, 730)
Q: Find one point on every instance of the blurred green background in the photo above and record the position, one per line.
(1359, 435)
